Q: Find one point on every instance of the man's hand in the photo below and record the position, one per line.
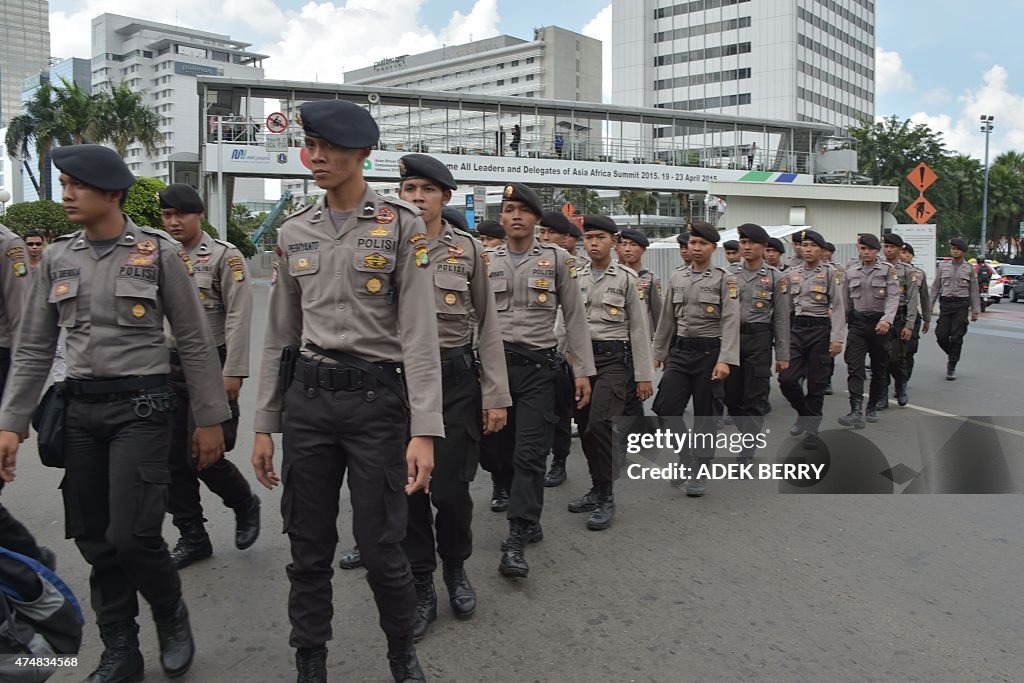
(835, 348)
(659, 364)
(927, 325)
(883, 327)
(208, 445)
(582, 392)
(720, 372)
(644, 390)
(419, 456)
(8, 454)
(974, 317)
(780, 366)
(232, 387)
(907, 333)
(263, 460)
(494, 420)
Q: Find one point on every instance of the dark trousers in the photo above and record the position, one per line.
(455, 462)
(607, 400)
(747, 386)
(912, 345)
(115, 496)
(634, 406)
(952, 326)
(517, 455)
(863, 342)
(688, 377)
(897, 354)
(810, 362)
(326, 434)
(13, 534)
(562, 444)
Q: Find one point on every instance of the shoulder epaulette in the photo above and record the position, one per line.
(404, 204)
(67, 236)
(224, 243)
(301, 210)
(628, 270)
(160, 233)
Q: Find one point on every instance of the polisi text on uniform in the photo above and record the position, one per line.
(379, 243)
(147, 273)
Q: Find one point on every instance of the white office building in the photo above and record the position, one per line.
(163, 61)
(787, 60)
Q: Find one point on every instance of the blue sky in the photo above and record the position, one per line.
(942, 62)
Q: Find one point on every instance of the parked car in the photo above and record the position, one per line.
(1013, 285)
(1002, 281)
(987, 290)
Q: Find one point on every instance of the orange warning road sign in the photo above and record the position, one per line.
(921, 210)
(922, 177)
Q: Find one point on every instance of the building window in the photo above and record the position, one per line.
(515, 62)
(702, 29)
(530, 60)
(516, 79)
(529, 77)
(501, 82)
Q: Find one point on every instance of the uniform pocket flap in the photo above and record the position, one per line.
(135, 289)
(63, 289)
(304, 263)
(544, 283)
(451, 281)
(710, 298)
(612, 299)
(678, 296)
(154, 474)
(204, 280)
(499, 284)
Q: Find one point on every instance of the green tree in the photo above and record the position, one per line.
(44, 215)
(638, 202)
(956, 196)
(1005, 197)
(142, 204)
(77, 112)
(126, 119)
(584, 200)
(38, 129)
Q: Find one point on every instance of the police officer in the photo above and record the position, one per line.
(764, 323)
(827, 255)
(492, 235)
(906, 318)
(683, 239)
(572, 240)
(956, 289)
(773, 252)
(732, 251)
(924, 307)
(472, 406)
(531, 281)
(348, 269)
(620, 338)
(872, 296)
(556, 228)
(797, 259)
(631, 248)
(220, 275)
(454, 218)
(109, 287)
(817, 332)
(697, 340)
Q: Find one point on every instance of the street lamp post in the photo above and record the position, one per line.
(5, 197)
(986, 128)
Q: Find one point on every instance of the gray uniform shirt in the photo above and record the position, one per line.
(924, 300)
(465, 304)
(763, 299)
(873, 288)
(364, 288)
(909, 290)
(112, 309)
(649, 286)
(226, 295)
(957, 281)
(701, 304)
(817, 292)
(528, 296)
(13, 279)
(615, 312)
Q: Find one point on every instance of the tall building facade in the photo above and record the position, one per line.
(24, 49)
(791, 60)
(163, 61)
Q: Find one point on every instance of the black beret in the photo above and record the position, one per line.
(776, 244)
(635, 236)
(892, 238)
(812, 236)
(830, 247)
(181, 197)
(907, 246)
(557, 221)
(868, 240)
(455, 217)
(423, 166)
(955, 242)
(731, 245)
(795, 238)
(491, 229)
(600, 223)
(517, 192)
(683, 237)
(704, 231)
(95, 165)
(753, 232)
(341, 123)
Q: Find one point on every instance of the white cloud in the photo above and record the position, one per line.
(600, 27)
(890, 76)
(963, 132)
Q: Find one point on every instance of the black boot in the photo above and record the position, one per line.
(311, 664)
(828, 389)
(871, 414)
(883, 402)
(193, 545)
(556, 475)
(426, 605)
(585, 503)
(499, 498)
(533, 533)
(855, 418)
(513, 559)
(797, 429)
(176, 645)
(901, 394)
(811, 441)
(604, 510)
(460, 592)
(247, 524)
(121, 661)
(405, 666)
(951, 370)
(353, 559)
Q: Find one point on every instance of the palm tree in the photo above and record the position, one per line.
(638, 202)
(125, 119)
(584, 200)
(41, 128)
(78, 112)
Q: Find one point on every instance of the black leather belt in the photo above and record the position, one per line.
(520, 355)
(872, 316)
(333, 377)
(459, 358)
(609, 347)
(755, 328)
(698, 343)
(953, 299)
(112, 389)
(811, 321)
